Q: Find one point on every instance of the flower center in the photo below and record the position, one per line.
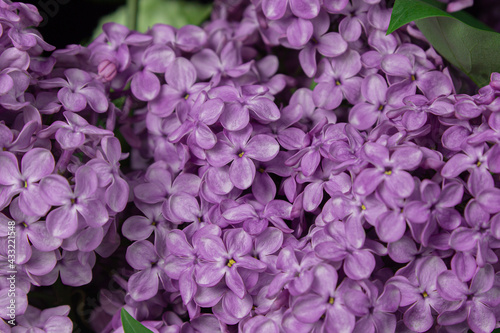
(388, 172)
(240, 155)
(425, 294)
(231, 262)
(363, 207)
(338, 83)
(331, 300)
(25, 184)
(478, 163)
(186, 96)
(413, 78)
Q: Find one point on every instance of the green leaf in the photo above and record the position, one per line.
(464, 41)
(177, 13)
(130, 325)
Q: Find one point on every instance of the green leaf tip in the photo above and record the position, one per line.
(130, 325)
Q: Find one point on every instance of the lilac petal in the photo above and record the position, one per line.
(96, 99)
(374, 89)
(287, 259)
(376, 153)
(418, 317)
(190, 37)
(209, 274)
(339, 318)
(137, 228)
(185, 207)
(89, 239)
(269, 241)
(403, 250)
(307, 58)
(400, 183)
(236, 306)
(264, 109)
(481, 318)
(332, 45)
(359, 264)
(490, 200)
(327, 96)
(398, 91)
(242, 172)
(483, 280)
(41, 238)
(391, 226)
(262, 148)
(9, 170)
(464, 266)
(407, 158)
(235, 283)
(331, 250)
(234, 117)
(350, 29)
(62, 222)
(211, 248)
(36, 164)
(309, 308)
(145, 85)
(456, 165)
(187, 286)
(451, 195)
(463, 239)
(94, 212)
(72, 101)
(310, 162)
(417, 212)
(367, 181)
(85, 182)
(263, 187)
(141, 255)
(434, 84)
(277, 284)
(207, 63)
(450, 287)
(30, 203)
(313, 195)
(389, 300)
(204, 137)
(238, 242)
(299, 32)
(143, 285)
(325, 280)
(363, 116)
(453, 317)
(306, 9)
(428, 271)
(274, 9)
(181, 74)
(396, 65)
(69, 139)
(117, 194)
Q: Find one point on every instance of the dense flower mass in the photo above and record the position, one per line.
(285, 168)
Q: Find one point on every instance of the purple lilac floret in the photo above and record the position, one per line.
(286, 167)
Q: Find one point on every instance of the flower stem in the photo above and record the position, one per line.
(133, 9)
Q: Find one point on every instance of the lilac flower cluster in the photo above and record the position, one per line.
(291, 169)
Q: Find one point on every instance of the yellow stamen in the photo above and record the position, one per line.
(231, 262)
(261, 170)
(380, 108)
(388, 172)
(25, 225)
(425, 294)
(331, 300)
(25, 184)
(73, 201)
(186, 97)
(413, 78)
(363, 207)
(241, 154)
(338, 83)
(478, 163)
